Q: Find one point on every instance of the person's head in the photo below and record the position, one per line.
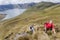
(50, 21)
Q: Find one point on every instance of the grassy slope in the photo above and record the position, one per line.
(32, 15)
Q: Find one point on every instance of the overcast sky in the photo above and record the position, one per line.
(23, 1)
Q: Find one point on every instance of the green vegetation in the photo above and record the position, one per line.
(38, 14)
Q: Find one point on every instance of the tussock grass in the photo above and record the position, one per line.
(33, 15)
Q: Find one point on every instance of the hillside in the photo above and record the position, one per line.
(36, 15)
(2, 16)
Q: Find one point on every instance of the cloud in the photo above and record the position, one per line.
(52, 0)
(23, 1)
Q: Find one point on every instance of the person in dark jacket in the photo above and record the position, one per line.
(32, 28)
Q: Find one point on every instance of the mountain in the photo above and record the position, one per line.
(2, 16)
(42, 5)
(20, 6)
(37, 15)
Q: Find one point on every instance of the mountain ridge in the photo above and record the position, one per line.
(19, 6)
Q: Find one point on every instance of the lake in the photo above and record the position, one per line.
(11, 13)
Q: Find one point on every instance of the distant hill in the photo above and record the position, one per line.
(19, 6)
(43, 5)
(37, 14)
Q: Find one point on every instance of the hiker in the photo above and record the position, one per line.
(49, 26)
(32, 28)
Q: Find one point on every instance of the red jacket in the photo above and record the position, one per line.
(48, 25)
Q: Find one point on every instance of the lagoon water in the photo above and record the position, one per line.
(11, 13)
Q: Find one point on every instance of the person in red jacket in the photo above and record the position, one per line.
(49, 26)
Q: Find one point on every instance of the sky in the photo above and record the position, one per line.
(23, 1)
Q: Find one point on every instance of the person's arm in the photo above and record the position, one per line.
(53, 28)
(54, 31)
(45, 27)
